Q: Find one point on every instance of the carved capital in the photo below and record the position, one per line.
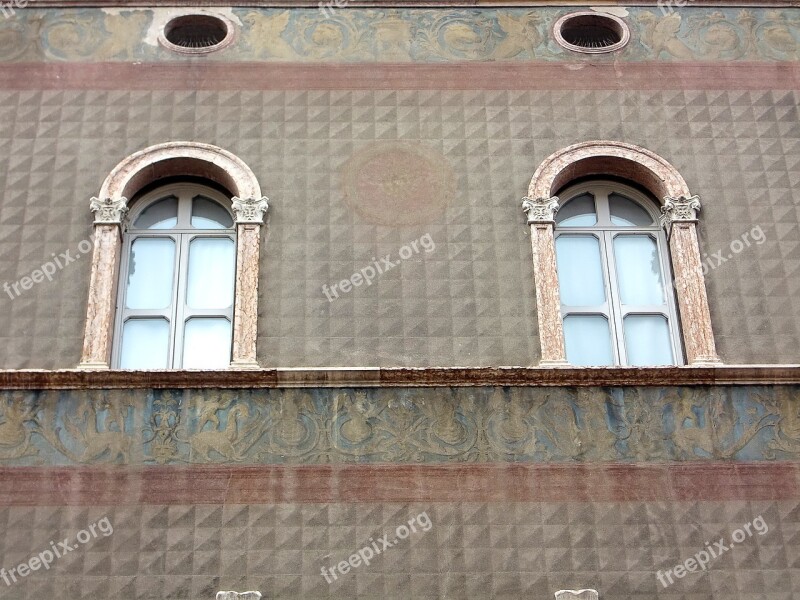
(679, 209)
(238, 596)
(250, 210)
(108, 210)
(577, 595)
(540, 210)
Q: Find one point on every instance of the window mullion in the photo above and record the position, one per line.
(602, 207)
(178, 311)
(668, 281)
(615, 306)
(184, 209)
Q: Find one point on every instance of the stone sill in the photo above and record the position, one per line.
(401, 377)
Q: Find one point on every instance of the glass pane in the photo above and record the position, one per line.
(588, 341)
(159, 215)
(578, 212)
(152, 264)
(647, 340)
(638, 270)
(626, 212)
(212, 262)
(207, 344)
(145, 344)
(580, 273)
(207, 214)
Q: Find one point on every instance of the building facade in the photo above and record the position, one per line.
(400, 299)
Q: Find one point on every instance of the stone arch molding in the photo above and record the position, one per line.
(607, 158)
(133, 173)
(176, 159)
(679, 217)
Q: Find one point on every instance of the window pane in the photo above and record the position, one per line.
(212, 263)
(588, 341)
(638, 270)
(626, 212)
(207, 214)
(159, 215)
(647, 340)
(152, 264)
(578, 212)
(580, 273)
(145, 344)
(207, 344)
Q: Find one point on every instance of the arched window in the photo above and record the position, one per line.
(184, 242)
(624, 311)
(175, 307)
(614, 278)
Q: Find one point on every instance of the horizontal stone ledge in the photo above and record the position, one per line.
(402, 3)
(276, 75)
(397, 483)
(401, 377)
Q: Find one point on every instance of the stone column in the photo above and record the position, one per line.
(249, 218)
(97, 337)
(541, 218)
(679, 217)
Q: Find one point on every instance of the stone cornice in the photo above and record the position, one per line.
(400, 3)
(401, 377)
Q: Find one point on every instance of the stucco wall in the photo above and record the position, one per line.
(468, 302)
(380, 149)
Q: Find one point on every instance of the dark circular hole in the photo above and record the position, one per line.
(196, 31)
(591, 31)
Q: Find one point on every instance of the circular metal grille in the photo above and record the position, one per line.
(196, 32)
(591, 32)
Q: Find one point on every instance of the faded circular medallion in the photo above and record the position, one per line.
(398, 183)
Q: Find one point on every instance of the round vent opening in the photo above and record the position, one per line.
(591, 32)
(195, 34)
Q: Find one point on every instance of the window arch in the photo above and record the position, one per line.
(616, 302)
(606, 159)
(138, 172)
(175, 307)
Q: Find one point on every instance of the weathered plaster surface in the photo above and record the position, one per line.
(409, 425)
(403, 35)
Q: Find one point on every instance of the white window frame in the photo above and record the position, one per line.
(178, 313)
(605, 232)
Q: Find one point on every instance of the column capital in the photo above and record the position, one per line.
(108, 211)
(681, 209)
(250, 210)
(238, 596)
(540, 210)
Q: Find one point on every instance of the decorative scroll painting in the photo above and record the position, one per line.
(403, 425)
(402, 35)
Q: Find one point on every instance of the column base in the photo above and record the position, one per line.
(94, 366)
(706, 361)
(245, 365)
(553, 363)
